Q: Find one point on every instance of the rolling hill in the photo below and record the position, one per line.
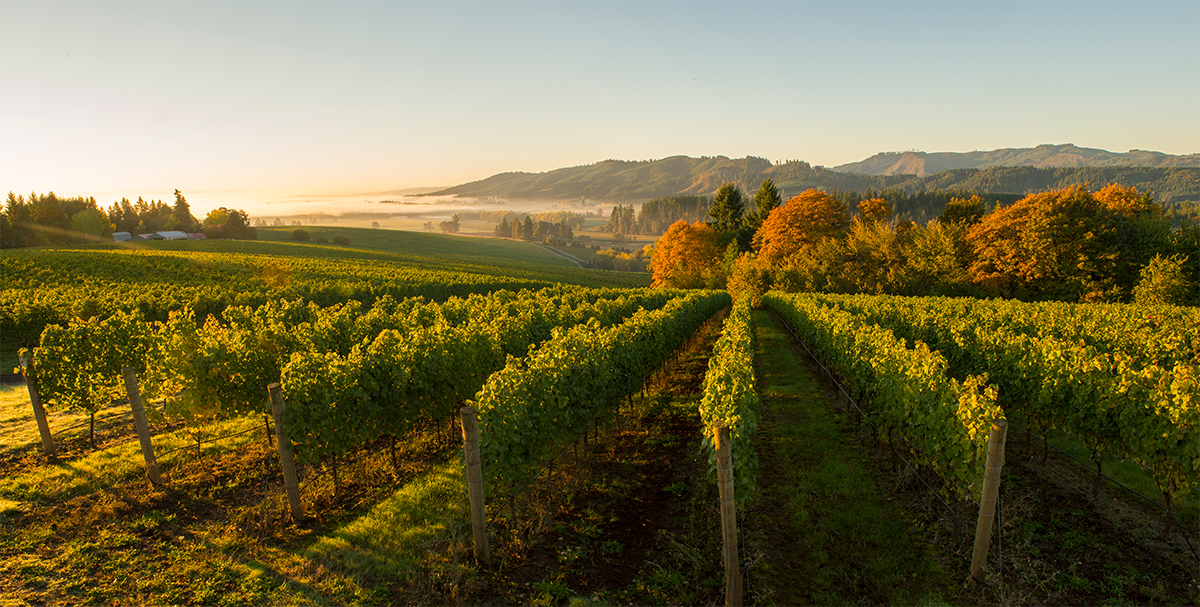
(621, 181)
(1043, 156)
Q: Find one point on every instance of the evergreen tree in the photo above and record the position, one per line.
(727, 208)
(766, 199)
(182, 214)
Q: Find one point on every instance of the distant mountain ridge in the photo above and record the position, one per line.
(622, 181)
(1043, 156)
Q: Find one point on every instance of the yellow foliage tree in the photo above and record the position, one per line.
(874, 210)
(683, 255)
(748, 276)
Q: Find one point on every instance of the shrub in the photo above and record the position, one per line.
(1163, 281)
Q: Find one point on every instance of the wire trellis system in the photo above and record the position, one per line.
(957, 522)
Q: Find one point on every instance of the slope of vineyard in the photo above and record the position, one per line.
(906, 390)
(39, 287)
(1122, 378)
(377, 347)
(538, 404)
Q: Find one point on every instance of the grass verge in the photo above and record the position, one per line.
(821, 531)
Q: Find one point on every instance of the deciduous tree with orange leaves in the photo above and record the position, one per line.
(1126, 201)
(1069, 244)
(800, 223)
(681, 257)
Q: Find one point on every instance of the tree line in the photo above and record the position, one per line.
(541, 231)
(655, 216)
(1114, 244)
(50, 220)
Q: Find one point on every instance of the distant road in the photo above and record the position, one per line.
(579, 262)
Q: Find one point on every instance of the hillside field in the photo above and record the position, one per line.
(858, 450)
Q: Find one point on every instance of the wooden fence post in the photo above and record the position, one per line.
(286, 461)
(729, 531)
(987, 503)
(470, 428)
(39, 412)
(139, 422)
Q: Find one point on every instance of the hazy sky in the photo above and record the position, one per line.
(244, 100)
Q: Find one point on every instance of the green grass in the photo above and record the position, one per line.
(1127, 473)
(506, 259)
(94, 530)
(121, 462)
(394, 539)
(830, 535)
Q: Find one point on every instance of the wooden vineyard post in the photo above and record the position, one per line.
(286, 461)
(139, 422)
(987, 503)
(39, 412)
(470, 428)
(733, 574)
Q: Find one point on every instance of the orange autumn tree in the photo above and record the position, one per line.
(1127, 201)
(1069, 244)
(1052, 245)
(684, 254)
(1144, 230)
(798, 224)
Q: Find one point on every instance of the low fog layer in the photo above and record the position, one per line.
(396, 212)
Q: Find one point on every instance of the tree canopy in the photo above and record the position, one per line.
(229, 223)
(874, 210)
(802, 222)
(766, 199)
(684, 254)
(727, 209)
(1069, 244)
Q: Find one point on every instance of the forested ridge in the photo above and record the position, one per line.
(1044, 156)
(628, 181)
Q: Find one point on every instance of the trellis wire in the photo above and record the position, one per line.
(206, 441)
(1123, 486)
(645, 381)
(103, 418)
(957, 522)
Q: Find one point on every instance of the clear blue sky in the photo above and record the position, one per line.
(244, 100)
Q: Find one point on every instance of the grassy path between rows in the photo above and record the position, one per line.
(820, 531)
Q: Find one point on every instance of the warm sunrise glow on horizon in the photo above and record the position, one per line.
(241, 103)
